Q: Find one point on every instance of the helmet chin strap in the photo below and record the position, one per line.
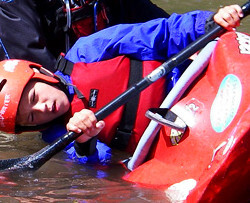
(67, 84)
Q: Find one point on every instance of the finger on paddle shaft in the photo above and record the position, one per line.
(36, 160)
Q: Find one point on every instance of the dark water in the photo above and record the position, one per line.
(62, 180)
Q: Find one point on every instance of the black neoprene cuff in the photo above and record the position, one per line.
(210, 23)
(86, 148)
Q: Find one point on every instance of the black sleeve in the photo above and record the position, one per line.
(86, 148)
(210, 23)
(22, 35)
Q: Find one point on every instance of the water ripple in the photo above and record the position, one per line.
(5, 138)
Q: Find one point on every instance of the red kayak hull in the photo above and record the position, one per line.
(212, 160)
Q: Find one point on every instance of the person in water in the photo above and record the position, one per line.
(34, 99)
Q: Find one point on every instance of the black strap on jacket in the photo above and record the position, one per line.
(125, 128)
(64, 65)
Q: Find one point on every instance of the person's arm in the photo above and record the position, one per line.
(171, 41)
(228, 17)
(156, 39)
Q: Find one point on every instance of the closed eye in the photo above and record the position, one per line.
(32, 101)
(33, 96)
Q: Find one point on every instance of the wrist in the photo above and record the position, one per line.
(86, 148)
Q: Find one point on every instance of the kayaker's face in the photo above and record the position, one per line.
(41, 103)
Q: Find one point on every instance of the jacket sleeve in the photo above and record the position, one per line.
(22, 35)
(157, 39)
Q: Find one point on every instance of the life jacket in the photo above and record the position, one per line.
(101, 82)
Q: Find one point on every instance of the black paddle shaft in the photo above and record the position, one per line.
(37, 159)
(165, 68)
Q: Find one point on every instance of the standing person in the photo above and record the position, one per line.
(35, 29)
(43, 100)
(21, 33)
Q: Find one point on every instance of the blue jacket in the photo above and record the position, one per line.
(157, 39)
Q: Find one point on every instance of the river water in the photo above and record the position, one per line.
(212, 5)
(62, 180)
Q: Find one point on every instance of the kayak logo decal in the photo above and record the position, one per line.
(226, 103)
(244, 43)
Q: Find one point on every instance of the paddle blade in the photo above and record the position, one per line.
(9, 164)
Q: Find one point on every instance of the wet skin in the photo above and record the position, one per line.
(41, 103)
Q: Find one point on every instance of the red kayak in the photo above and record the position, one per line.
(210, 161)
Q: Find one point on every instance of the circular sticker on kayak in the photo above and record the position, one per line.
(226, 103)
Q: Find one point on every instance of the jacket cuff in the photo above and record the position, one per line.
(86, 148)
(210, 23)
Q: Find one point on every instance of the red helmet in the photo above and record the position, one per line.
(14, 75)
